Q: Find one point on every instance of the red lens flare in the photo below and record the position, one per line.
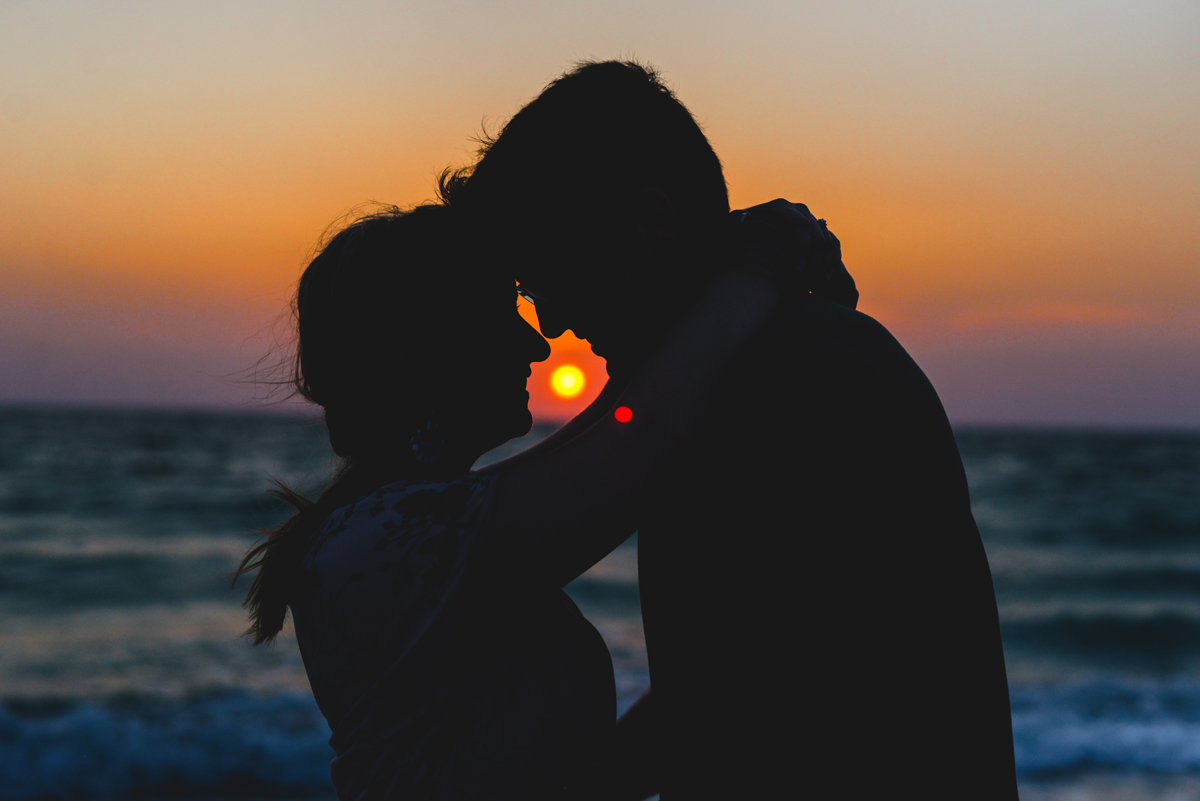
(623, 414)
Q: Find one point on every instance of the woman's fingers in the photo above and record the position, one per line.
(795, 218)
(837, 284)
(816, 249)
(826, 273)
(814, 232)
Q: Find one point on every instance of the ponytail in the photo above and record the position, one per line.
(277, 554)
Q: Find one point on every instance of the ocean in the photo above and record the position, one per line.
(123, 675)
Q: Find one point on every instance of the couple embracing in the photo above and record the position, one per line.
(818, 608)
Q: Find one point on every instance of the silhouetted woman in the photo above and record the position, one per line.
(427, 598)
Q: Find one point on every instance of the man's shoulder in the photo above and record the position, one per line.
(810, 321)
(812, 339)
(817, 358)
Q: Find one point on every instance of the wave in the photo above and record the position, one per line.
(1165, 583)
(231, 746)
(241, 745)
(1106, 725)
(1159, 639)
(228, 746)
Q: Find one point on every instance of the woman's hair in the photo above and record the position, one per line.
(369, 330)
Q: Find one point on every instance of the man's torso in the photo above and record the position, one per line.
(816, 598)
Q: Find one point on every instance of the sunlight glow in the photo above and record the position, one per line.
(567, 381)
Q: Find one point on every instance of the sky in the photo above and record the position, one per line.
(1016, 185)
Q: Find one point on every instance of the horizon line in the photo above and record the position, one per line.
(298, 411)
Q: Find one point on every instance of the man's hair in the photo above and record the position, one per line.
(595, 136)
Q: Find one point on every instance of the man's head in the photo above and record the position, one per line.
(603, 197)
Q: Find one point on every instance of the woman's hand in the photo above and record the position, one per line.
(783, 236)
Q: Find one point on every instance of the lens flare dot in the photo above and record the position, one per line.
(623, 414)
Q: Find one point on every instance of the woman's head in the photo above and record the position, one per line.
(399, 329)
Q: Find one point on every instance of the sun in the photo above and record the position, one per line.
(567, 381)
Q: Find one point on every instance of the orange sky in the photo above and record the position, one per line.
(1016, 184)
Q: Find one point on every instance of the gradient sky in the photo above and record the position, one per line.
(1016, 184)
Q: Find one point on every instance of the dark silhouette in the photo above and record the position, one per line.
(427, 597)
(379, 358)
(818, 607)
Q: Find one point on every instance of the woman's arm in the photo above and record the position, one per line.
(836, 284)
(557, 514)
(636, 763)
(602, 405)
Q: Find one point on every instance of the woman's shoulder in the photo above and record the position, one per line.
(385, 573)
(402, 516)
(417, 502)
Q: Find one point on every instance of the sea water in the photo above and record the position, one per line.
(123, 673)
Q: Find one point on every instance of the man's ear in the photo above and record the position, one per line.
(654, 216)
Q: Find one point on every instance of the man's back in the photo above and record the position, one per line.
(819, 610)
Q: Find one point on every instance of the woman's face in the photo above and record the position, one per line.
(488, 380)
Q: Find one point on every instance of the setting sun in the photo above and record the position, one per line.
(567, 381)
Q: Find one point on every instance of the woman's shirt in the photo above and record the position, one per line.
(443, 675)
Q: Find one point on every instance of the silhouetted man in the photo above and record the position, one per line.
(819, 611)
